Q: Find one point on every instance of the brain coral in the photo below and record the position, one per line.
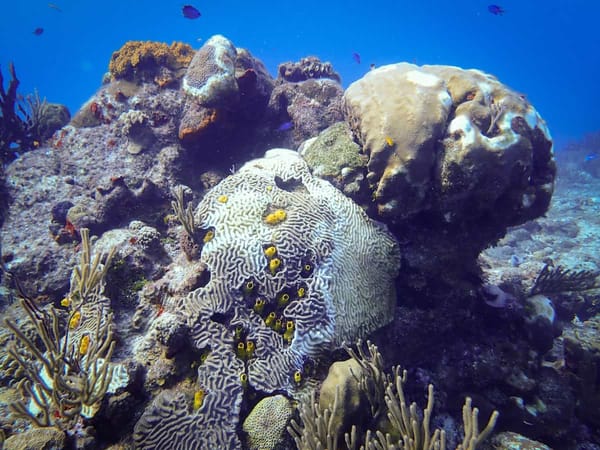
(450, 140)
(210, 78)
(296, 268)
(266, 423)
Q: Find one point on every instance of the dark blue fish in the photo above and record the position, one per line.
(285, 126)
(496, 10)
(38, 31)
(591, 156)
(356, 57)
(189, 12)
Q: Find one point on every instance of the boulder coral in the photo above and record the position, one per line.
(454, 158)
(295, 270)
(210, 77)
(222, 85)
(450, 140)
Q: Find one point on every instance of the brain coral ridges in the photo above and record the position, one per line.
(263, 322)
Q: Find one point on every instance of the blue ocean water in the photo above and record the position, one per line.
(546, 49)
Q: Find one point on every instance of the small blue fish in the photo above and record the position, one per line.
(496, 10)
(38, 31)
(356, 57)
(189, 12)
(591, 156)
(285, 126)
(516, 260)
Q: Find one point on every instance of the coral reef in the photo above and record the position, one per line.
(559, 279)
(295, 270)
(221, 307)
(13, 127)
(42, 438)
(454, 159)
(582, 356)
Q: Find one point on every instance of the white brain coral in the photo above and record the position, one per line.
(296, 268)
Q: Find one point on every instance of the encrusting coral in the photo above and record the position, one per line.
(140, 60)
(405, 429)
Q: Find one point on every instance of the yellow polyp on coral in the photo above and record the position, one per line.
(298, 376)
(270, 251)
(244, 380)
(259, 305)
(276, 217)
(307, 269)
(84, 345)
(250, 347)
(222, 198)
(301, 292)
(274, 265)
(249, 287)
(210, 234)
(283, 299)
(270, 320)
(288, 334)
(199, 398)
(203, 356)
(241, 350)
(278, 325)
(74, 320)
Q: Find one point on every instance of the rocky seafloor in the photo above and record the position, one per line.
(221, 283)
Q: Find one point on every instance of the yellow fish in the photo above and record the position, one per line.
(389, 141)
